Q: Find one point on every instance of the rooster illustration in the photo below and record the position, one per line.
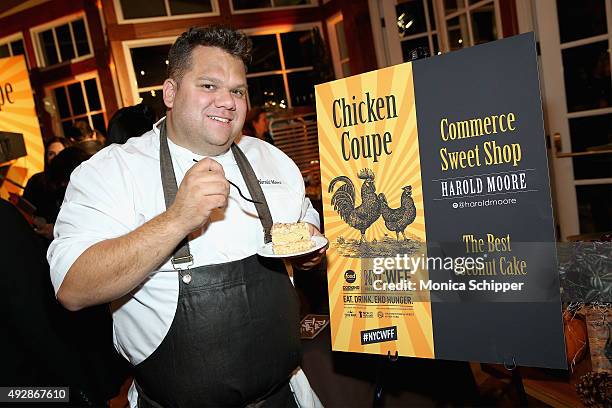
(398, 219)
(343, 200)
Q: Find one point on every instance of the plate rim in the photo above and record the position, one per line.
(315, 248)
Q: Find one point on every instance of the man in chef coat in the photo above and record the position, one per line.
(155, 227)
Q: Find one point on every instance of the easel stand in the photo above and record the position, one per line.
(517, 381)
(383, 367)
(385, 363)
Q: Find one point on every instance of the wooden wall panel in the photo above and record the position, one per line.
(122, 73)
(358, 31)
(101, 56)
(38, 15)
(509, 18)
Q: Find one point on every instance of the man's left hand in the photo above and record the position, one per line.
(311, 260)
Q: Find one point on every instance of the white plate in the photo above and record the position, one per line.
(267, 251)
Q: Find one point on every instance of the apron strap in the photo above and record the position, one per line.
(143, 400)
(255, 190)
(182, 255)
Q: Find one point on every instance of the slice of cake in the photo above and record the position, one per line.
(289, 238)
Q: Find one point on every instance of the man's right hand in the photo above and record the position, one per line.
(111, 268)
(203, 189)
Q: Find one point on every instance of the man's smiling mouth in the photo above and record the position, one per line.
(219, 119)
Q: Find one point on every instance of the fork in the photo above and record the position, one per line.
(239, 192)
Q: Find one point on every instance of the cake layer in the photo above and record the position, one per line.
(285, 233)
(285, 249)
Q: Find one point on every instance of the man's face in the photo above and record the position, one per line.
(208, 107)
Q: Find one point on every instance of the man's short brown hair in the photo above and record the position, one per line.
(235, 43)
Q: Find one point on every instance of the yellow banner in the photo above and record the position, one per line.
(373, 208)
(18, 115)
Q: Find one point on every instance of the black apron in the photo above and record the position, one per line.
(235, 337)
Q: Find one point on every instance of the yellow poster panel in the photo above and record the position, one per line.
(18, 115)
(373, 213)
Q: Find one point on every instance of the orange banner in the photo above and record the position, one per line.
(18, 115)
(373, 207)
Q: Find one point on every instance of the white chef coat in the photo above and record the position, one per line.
(120, 188)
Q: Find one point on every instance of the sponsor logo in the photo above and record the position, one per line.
(379, 335)
(380, 314)
(311, 325)
(350, 276)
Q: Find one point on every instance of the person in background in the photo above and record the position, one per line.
(38, 192)
(84, 137)
(59, 173)
(57, 177)
(153, 227)
(54, 145)
(43, 344)
(100, 137)
(130, 122)
(256, 124)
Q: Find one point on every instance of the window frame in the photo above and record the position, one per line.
(35, 31)
(122, 20)
(311, 4)
(334, 45)
(391, 52)
(12, 38)
(467, 10)
(57, 120)
(268, 30)
(129, 63)
(278, 30)
(429, 31)
(386, 39)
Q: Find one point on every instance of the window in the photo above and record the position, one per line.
(62, 42)
(416, 25)
(163, 9)
(339, 49)
(408, 27)
(11, 46)
(79, 100)
(282, 74)
(471, 22)
(239, 6)
(149, 72)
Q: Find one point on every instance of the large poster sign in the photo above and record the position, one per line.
(437, 206)
(18, 115)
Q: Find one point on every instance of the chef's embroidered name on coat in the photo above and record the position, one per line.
(269, 182)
